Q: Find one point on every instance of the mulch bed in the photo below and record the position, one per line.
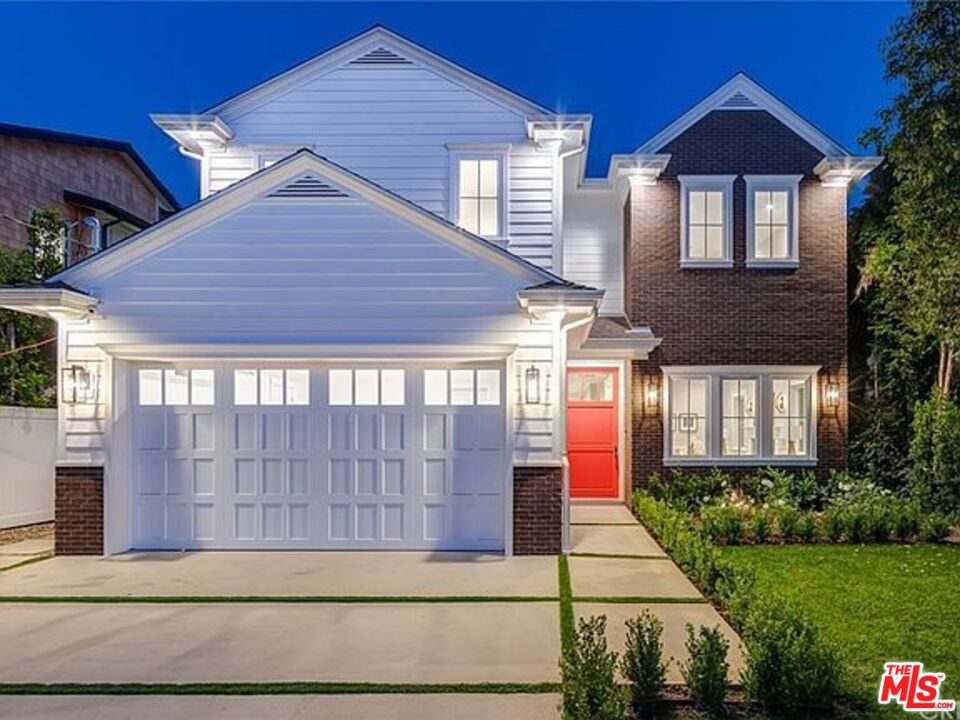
(26, 532)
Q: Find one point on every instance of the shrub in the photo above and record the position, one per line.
(905, 521)
(878, 522)
(935, 527)
(788, 663)
(588, 675)
(855, 523)
(689, 490)
(723, 523)
(807, 527)
(705, 671)
(935, 454)
(787, 520)
(832, 522)
(760, 527)
(642, 665)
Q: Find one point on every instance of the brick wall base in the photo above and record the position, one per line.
(537, 510)
(79, 511)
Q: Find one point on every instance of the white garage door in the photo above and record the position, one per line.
(262, 456)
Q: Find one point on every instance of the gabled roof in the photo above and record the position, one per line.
(277, 181)
(378, 44)
(742, 93)
(120, 146)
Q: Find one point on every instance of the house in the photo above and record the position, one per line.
(84, 177)
(401, 317)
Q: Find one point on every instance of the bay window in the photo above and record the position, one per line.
(744, 415)
(706, 220)
(772, 226)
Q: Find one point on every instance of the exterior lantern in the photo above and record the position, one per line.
(531, 385)
(651, 396)
(833, 394)
(80, 385)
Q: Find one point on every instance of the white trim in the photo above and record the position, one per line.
(57, 303)
(762, 100)
(692, 183)
(500, 153)
(781, 183)
(764, 374)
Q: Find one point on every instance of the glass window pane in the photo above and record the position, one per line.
(762, 208)
(469, 172)
(761, 242)
(367, 388)
(688, 419)
(175, 387)
(714, 243)
(298, 387)
(489, 180)
(341, 387)
(715, 207)
(201, 387)
(435, 387)
(606, 386)
(697, 209)
(779, 248)
(489, 225)
(698, 397)
(244, 387)
(271, 387)
(798, 398)
(392, 381)
(469, 215)
(574, 386)
(151, 390)
(778, 209)
(698, 242)
(488, 387)
(461, 387)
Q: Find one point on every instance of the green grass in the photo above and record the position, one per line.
(273, 688)
(876, 602)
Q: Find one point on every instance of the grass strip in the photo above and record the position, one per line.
(619, 556)
(276, 688)
(568, 627)
(641, 600)
(605, 524)
(313, 599)
(28, 561)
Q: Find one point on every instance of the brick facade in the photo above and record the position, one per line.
(78, 511)
(738, 316)
(537, 510)
(34, 174)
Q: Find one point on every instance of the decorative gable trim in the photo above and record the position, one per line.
(307, 187)
(742, 93)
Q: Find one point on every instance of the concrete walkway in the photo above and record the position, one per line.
(615, 557)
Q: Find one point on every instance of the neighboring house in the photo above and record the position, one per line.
(81, 176)
(400, 307)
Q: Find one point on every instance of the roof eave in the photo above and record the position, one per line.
(56, 303)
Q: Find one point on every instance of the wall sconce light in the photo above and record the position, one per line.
(80, 385)
(832, 394)
(531, 385)
(651, 397)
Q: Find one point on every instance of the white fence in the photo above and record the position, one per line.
(28, 453)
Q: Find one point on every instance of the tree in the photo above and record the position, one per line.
(27, 360)
(915, 255)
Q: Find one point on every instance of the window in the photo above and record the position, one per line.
(174, 386)
(706, 224)
(772, 227)
(271, 386)
(590, 387)
(478, 189)
(740, 415)
(461, 387)
(367, 386)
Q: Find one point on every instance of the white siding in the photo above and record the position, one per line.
(394, 125)
(593, 243)
(281, 272)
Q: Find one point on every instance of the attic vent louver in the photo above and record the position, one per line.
(380, 56)
(308, 186)
(738, 101)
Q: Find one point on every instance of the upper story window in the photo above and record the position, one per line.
(478, 192)
(740, 416)
(772, 220)
(706, 220)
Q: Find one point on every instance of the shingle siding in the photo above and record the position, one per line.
(739, 316)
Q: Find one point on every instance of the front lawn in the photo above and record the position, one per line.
(876, 602)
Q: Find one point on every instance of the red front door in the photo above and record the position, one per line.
(592, 432)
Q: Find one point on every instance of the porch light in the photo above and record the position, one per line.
(833, 394)
(80, 385)
(531, 385)
(651, 397)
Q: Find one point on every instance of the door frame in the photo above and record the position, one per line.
(623, 436)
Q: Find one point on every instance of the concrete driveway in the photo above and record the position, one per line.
(425, 619)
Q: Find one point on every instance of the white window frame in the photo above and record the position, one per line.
(765, 375)
(778, 183)
(501, 153)
(709, 183)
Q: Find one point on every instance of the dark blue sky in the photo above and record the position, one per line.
(100, 69)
